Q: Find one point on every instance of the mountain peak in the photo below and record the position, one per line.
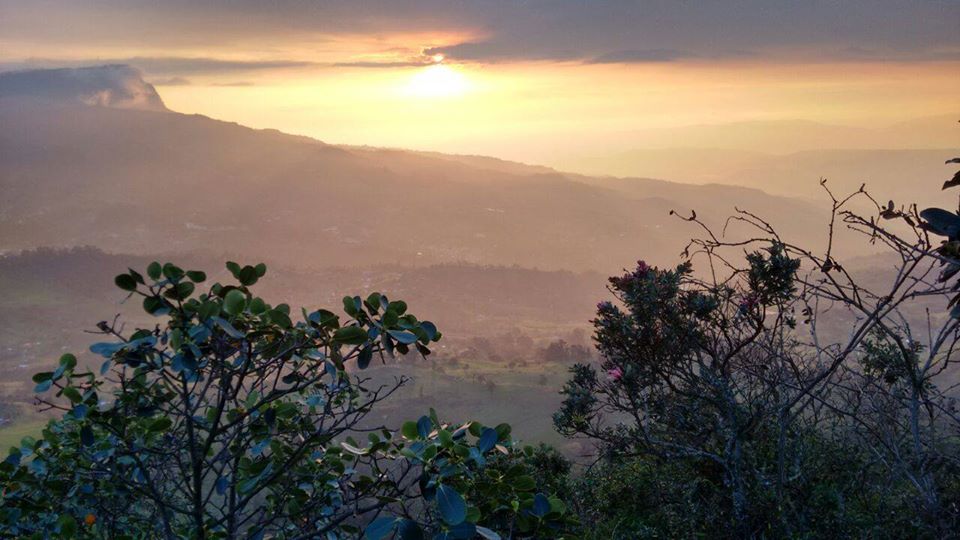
(118, 86)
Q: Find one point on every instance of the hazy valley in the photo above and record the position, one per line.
(487, 247)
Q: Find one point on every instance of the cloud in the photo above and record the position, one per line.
(862, 54)
(644, 56)
(105, 86)
(180, 81)
(500, 51)
(599, 31)
(191, 65)
(670, 31)
(171, 81)
(169, 67)
(384, 64)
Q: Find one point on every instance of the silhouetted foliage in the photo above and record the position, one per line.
(782, 397)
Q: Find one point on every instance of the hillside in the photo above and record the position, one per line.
(141, 181)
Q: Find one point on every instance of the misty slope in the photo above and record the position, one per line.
(143, 181)
(904, 175)
(787, 136)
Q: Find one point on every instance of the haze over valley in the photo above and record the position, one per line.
(94, 161)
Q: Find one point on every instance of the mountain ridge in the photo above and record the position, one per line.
(131, 180)
(116, 85)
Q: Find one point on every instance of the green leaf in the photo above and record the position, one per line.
(208, 309)
(248, 276)
(172, 271)
(350, 306)
(409, 430)
(258, 306)
(399, 307)
(541, 505)
(180, 291)
(373, 303)
(424, 427)
(234, 302)
(942, 222)
(86, 436)
(488, 439)
(955, 181)
(261, 269)
(68, 526)
(409, 530)
(153, 270)
(136, 276)
(72, 394)
(154, 305)
(446, 439)
(524, 483)
(452, 507)
(197, 276)
(403, 337)
(324, 318)
(125, 282)
(228, 328)
(380, 528)
(234, 268)
(350, 335)
(68, 361)
(160, 424)
(430, 329)
(363, 359)
(279, 318)
(473, 514)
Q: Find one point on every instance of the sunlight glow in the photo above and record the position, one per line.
(437, 81)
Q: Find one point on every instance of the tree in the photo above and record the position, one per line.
(765, 378)
(230, 420)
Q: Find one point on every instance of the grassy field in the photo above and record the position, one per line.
(11, 435)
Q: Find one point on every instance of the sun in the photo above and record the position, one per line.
(437, 81)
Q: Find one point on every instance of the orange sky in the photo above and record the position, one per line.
(532, 111)
(531, 81)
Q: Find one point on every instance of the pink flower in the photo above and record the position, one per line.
(615, 374)
(748, 302)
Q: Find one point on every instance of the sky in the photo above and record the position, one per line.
(526, 80)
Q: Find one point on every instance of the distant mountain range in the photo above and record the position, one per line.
(126, 175)
(903, 161)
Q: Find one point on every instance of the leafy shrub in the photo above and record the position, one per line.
(228, 419)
